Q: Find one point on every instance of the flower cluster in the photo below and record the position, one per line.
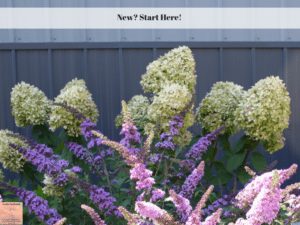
(264, 112)
(177, 66)
(218, 107)
(103, 200)
(167, 138)
(95, 217)
(138, 108)
(169, 102)
(37, 205)
(264, 195)
(29, 105)
(191, 182)
(143, 177)
(9, 156)
(75, 95)
(201, 146)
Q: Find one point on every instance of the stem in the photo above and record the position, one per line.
(107, 176)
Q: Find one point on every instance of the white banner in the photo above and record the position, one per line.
(149, 18)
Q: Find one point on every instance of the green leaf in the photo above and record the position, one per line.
(235, 161)
(241, 144)
(224, 140)
(243, 176)
(223, 175)
(258, 161)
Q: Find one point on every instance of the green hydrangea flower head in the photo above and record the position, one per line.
(76, 95)
(264, 112)
(30, 106)
(10, 157)
(50, 189)
(138, 107)
(218, 107)
(170, 101)
(177, 66)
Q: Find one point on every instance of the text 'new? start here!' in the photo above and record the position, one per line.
(144, 17)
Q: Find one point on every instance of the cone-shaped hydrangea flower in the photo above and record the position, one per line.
(264, 112)
(138, 107)
(218, 107)
(9, 156)
(191, 182)
(76, 95)
(172, 100)
(30, 106)
(92, 213)
(177, 66)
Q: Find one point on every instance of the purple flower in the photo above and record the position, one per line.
(80, 152)
(49, 165)
(219, 203)
(103, 200)
(76, 169)
(167, 137)
(157, 194)
(143, 177)
(61, 180)
(155, 158)
(182, 205)
(202, 145)
(37, 206)
(86, 127)
(191, 182)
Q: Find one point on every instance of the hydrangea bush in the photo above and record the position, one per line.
(158, 173)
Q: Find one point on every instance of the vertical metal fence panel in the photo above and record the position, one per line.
(7, 80)
(237, 66)
(103, 80)
(66, 64)
(113, 73)
(134, 65)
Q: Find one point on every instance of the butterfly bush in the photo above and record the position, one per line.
(157, 173)
(76, 95)
(29, 105)
(264, 112)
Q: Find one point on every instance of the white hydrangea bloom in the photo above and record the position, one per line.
(30, 106)
(50, 189)
(10, 157)
(176, 66)
(170, 101)
(75, 94)
(264, 112)
(218, 107)
(138, 107)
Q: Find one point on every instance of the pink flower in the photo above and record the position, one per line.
(143, 176)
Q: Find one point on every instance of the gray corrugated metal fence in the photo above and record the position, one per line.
(112, 72)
